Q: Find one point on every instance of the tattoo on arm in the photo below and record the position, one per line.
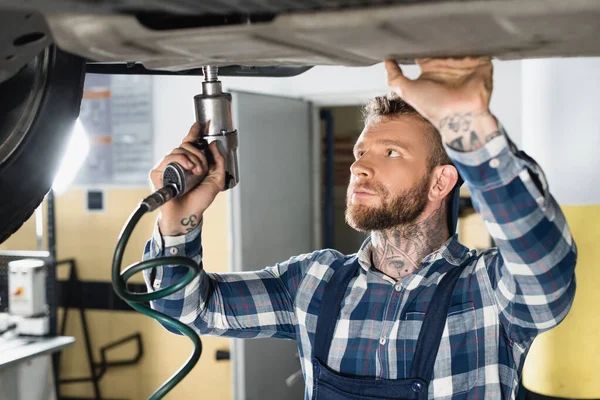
(456, 123)
(457, 144)
(453, 124)
(475, 142)
(190, 222)
(466, 131)
(492, 135)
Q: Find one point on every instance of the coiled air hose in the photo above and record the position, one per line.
(136, 300)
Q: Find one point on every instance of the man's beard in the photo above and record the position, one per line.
(403, 209)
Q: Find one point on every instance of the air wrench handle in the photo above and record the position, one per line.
(183, 180)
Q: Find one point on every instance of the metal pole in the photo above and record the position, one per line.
(39, 227)
(51, 227)
(327, 116)
(51, 285)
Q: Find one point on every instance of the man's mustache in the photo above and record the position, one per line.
(371, 187)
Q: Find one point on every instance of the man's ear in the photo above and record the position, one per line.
(444, 178)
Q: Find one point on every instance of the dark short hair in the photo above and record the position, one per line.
(392, 106)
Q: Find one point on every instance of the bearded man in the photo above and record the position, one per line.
(414, 314)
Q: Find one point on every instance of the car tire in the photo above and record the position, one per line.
(38, 109)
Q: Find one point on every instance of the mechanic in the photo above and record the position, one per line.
(414, 313)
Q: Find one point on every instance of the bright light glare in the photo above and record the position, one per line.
(77, 151)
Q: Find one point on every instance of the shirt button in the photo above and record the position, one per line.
(382, 341)
(398, 287)
(494, 163)
(417, 386)
(173, 250)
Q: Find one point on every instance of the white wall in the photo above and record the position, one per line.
(506, 103)
(173, 103)
(560, 118)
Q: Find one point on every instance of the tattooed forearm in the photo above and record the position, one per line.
(190, 222)
(474, 141)
(492, 135)
(457, 144)
(457, 123)
(398, 252)
(468, 131)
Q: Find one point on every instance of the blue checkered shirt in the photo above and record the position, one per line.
(505, 297)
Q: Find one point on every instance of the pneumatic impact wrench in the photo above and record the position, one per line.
(213, 113)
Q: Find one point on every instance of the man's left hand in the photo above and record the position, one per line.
(454, 95)
(446, 86)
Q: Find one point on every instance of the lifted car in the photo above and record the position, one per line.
(46, 46)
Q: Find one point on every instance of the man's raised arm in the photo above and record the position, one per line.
(532, 273)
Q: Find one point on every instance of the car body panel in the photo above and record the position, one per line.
(329, 34)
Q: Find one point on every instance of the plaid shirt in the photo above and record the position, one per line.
(505, 297)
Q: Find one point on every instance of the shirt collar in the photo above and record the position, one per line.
(452, 251)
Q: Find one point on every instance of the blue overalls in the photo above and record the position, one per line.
(330, 385)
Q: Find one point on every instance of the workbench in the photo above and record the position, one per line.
(26, 367)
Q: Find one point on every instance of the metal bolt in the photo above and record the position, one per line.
(210, 73)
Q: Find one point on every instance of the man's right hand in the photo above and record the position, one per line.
(183, 214)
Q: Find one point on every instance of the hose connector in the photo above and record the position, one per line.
(160, 197)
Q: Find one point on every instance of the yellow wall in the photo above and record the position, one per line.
(471, 229)
(565, 361)
(90, 238)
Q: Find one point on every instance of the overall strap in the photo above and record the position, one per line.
(333, 295)
(434, 322)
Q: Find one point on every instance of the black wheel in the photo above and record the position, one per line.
(38, 108)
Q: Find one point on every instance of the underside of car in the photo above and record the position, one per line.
(183, 35)
(46, 46)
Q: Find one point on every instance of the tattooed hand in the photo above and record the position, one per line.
(454, 95)
(182, 214)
